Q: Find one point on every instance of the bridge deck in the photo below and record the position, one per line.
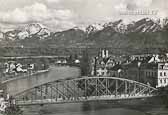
(81, 99)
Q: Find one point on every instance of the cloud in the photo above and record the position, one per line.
(121, 6)
(143, 3)
(65, 13)
(37, 12)
(53, 1)
(133, 4)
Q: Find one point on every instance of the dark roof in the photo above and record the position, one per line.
(150, 66)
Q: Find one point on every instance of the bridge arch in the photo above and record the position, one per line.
(85, 89)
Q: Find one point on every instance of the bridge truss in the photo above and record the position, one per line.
(85, 89)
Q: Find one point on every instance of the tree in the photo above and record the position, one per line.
(85, 63)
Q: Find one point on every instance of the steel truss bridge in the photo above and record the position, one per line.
(84, 89)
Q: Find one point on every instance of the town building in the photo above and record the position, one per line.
(153, 74)
(116, 71)
(99, 63)
(140, 56)
(106, 65)
(150, 69)
(162, 75)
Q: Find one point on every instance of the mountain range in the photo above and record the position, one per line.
(144, 33)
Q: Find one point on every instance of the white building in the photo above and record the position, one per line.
(162, 75)
(102, 72)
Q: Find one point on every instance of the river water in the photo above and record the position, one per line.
(93, 108)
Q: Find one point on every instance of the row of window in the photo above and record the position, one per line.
(151, 74)
(163, 81)
(162, 73)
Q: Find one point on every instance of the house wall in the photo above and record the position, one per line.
(162, 75)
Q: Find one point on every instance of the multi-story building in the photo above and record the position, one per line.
(116, 71)
(99, 64)
(153, 74)
(149, 74)
(162, 75)
(105, 64)
(148, 69)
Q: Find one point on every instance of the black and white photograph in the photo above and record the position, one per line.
(83, 57)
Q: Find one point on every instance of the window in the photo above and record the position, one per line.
(164, 73)
(146, 73)
(165, 81)
(160, 73)
(161, 81)
(102, 73)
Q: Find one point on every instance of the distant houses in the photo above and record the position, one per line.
(151, 69)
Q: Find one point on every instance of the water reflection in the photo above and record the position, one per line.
(91, 108)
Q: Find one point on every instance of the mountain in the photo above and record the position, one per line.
(94, 28)
(144, 33)
(70, 37)
(117, 26)
(145, 25)
(27, 31)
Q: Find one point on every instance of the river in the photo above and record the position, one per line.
(93, 108)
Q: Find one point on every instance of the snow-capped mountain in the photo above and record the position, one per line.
(94, 28)
(118, 26)
(142, 34)
(37, 30)
(145, 25)
(27, 31)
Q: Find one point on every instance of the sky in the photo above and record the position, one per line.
(65, 14)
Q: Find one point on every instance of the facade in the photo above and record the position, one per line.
(145, 68)
(98, 66)
(162, 74)
(157, 74)
(153, 74)
(102, 72)
(149, 74)
(116, 71)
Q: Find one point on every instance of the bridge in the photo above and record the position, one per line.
(72, 90)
